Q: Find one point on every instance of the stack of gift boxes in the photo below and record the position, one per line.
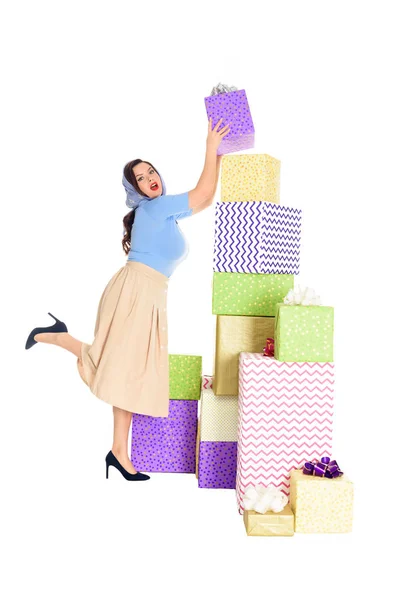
(261, 417)
(245, 294)
(285, 401)
(285, 421)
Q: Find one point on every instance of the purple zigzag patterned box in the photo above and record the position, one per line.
(233, 108)
(257, 237)
(217, 465)
(166, 444)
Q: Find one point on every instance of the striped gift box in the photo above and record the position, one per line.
(257, 237)
(285, 419)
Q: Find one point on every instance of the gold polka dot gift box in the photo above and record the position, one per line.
(303, 333)
(321, 505)
(250, 177)
(249, 294)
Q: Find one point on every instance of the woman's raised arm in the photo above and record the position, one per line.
(204, 191)
(201, 207)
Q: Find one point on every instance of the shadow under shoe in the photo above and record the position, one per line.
(58, 327)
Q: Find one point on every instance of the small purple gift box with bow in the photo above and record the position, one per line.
(233, 108)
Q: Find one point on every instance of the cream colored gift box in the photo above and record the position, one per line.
(218, 418)
(271, 524)
(249, 178)
(321, 505)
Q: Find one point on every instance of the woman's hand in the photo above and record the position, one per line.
(215, 137)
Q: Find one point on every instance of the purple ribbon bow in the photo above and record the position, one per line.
(322, 468)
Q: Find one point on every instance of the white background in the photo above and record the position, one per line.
(88, 86)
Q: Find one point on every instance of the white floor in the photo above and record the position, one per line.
(70, 533)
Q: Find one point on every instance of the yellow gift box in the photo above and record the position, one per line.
(321, 505)
(250, 177)
(270, 523)
(236, 335)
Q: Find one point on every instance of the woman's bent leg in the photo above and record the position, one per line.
(64, 340)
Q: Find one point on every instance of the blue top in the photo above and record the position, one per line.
(156, 239)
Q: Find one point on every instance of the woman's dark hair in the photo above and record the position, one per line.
(130, 217)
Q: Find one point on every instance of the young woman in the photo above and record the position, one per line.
(127, 363)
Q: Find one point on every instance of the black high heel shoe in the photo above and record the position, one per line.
(58, 327)
(112, 461)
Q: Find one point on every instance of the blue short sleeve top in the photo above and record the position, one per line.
(156, 239)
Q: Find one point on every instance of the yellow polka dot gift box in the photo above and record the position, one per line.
(249, 294)
(303, 333)
(250, 177)
(321, 505)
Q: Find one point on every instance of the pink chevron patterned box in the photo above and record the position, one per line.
(285, 419)
(257, 237)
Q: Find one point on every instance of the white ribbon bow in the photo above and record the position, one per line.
(302, 295)
(263, 499)
(222, 88)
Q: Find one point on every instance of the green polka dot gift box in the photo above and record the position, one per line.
(249, 294)
(184, 377)
(303, 333)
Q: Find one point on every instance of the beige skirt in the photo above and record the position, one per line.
(127, 363)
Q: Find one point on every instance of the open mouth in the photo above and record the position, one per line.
(154, 187)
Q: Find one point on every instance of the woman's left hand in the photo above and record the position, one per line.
(215, 137)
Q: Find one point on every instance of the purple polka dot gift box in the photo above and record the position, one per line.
(233, 108)
(166, 444)
(217, 465)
